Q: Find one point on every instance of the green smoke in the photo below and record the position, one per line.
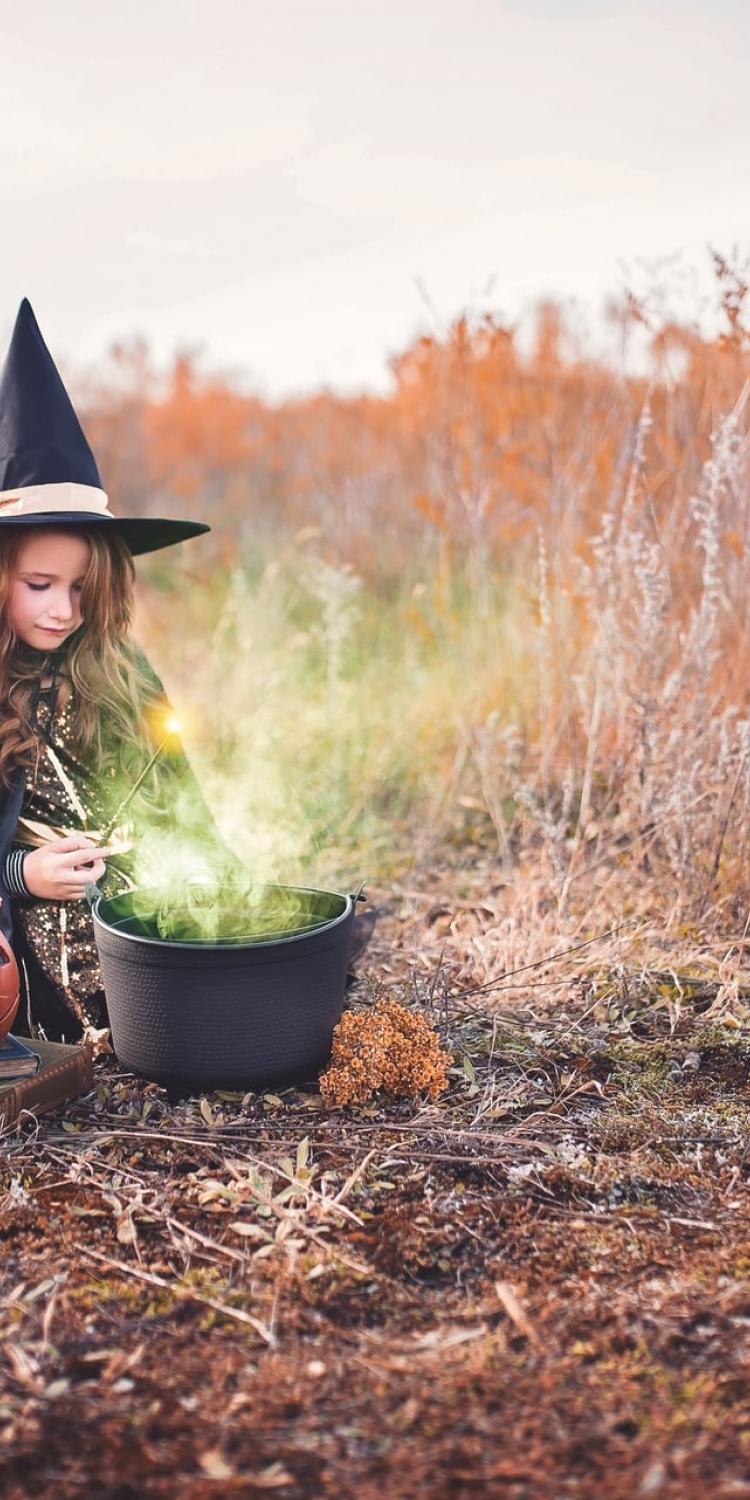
(331, 727)
(202, 911)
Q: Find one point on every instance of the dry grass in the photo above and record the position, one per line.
(538, 1280)
(581, 744)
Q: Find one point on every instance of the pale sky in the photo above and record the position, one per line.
(301, 188)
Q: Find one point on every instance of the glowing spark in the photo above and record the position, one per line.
(171, 725)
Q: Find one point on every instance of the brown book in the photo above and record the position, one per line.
(64, 1073)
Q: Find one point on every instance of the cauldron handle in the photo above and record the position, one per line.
(92, 893)
(358, 895)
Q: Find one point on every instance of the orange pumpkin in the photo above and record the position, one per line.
(9, 987)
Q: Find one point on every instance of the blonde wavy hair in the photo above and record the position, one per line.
(106, 672)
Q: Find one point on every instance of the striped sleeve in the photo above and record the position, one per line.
(13, 872)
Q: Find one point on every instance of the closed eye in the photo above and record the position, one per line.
(38, 587)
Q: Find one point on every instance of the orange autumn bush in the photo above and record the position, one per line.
(389, 1047)
(478, 445)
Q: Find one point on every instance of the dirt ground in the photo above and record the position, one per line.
(536, 1286)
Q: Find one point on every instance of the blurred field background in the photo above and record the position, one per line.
(494, 622)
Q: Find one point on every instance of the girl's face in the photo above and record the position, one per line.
(45, 597)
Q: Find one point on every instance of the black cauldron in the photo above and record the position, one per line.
(239, 1012)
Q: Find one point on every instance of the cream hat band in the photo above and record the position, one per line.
(40, 499)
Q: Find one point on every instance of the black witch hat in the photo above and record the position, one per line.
(48, 474)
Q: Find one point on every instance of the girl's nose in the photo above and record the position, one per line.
(63, 611)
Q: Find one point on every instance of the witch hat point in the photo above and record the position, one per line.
(48, 473)
(41, 439)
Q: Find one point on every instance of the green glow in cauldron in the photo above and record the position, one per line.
(200, 911)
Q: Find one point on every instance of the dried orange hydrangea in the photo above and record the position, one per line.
(389, 1047)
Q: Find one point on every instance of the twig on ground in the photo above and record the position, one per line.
(180, 1290)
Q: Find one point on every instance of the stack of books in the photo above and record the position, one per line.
(37, 1076)
(17, 1059)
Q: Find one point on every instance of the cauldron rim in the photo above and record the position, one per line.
(229, 944)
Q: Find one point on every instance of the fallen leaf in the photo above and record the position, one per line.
(515, 1311)
(248, 1231)
(214, 1466)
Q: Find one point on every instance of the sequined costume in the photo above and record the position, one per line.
(55, 939)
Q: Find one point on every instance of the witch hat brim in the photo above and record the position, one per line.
(141, 534)
(48, 473)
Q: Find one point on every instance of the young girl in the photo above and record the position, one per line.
(81, 709)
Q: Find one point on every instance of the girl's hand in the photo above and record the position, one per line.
(58, 871)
